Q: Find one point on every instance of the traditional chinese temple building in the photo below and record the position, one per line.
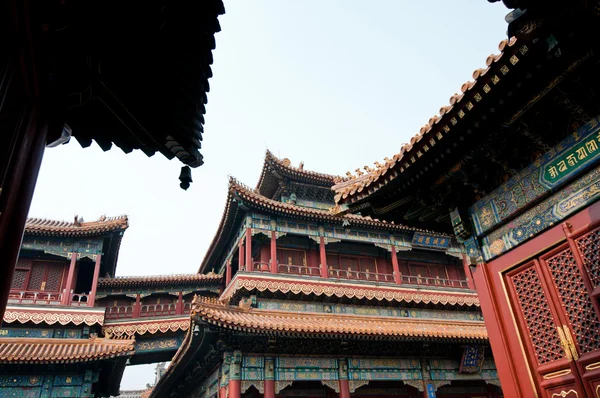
(69, 333)
(510, 167)
(316, 305)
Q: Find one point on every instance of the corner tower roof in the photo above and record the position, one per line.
(276, 170)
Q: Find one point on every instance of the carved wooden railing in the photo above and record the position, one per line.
(80, 299)
(119, 312)
(293, 269)
(151, 310)
(428, 281)
(258, 266)
(31, 297)
(360, 275)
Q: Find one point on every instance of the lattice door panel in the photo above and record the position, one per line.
(589, 248)
(291, 257)
(419, 274)
(534, 309)
(19, 278)
(296, 259)
(438, 272)
(368, 266)
(574, 300)
(24, 263)
(36, 279)
(333, 261)
(350, 265)
(404, 269)
(54, 276)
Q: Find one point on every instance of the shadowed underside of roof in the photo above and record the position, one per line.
(134, 74)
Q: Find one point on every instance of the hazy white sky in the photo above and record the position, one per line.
(337, 84)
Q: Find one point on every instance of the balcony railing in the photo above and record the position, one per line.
(48, 298)
(151, 310)
(359, 275)
(120, 312)
(293, 269)
(79, 299)
(428, 281)
(30, 297)
(258, 266)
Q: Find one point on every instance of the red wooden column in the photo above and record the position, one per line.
(323, 257)
(179, 306)
(343, 377)
(241, 254)
(228, 272)
(269, 378)
(468, 273)
(92, 298)
(249, 248)
(274, 264)
(395, 266)
(235, 375)
(66, 298)
(137, 307)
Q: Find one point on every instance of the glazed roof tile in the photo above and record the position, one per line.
(392, 293)
(45, 227)
(49, 350)
(288, 209)
(359, 186)
(284, 322)
(275, 169)
(154, 280)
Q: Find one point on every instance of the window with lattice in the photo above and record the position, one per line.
(36, 279)
(292, 261)
(21, 272)
(404, 270)
(291, 257)
(438, 273)
(333, 261)
(19, 278)
(46, 276)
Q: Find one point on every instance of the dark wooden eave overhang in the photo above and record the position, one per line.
(132, 74)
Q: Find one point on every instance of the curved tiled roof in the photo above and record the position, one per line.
(154, 280)
(49, 350)
(273, 206)
(287, 284)
(363, 184)
(240, 193)
(284, 322)
(45, 227)
(275, 169)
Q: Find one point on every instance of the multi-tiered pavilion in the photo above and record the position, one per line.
(316, 305)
